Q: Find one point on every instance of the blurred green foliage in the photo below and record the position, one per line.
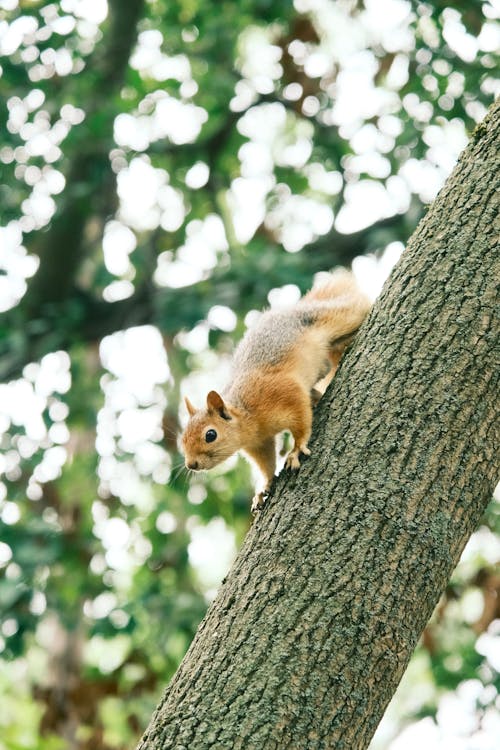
(106, 564)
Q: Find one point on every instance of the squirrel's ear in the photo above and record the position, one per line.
(215, 403)
(189, 406)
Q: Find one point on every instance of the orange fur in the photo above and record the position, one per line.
(281, 368)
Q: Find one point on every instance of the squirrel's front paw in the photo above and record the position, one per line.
(258, 501)
(292, 461)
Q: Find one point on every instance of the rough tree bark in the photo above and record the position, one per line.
(314, 626)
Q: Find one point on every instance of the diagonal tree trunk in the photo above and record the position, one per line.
(315, 624)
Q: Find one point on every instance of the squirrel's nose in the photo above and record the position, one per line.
(193, 465)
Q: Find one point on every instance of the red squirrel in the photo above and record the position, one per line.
(275, 369)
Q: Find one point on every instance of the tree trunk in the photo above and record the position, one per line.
(54, 312)
(90, 181)
(314, 626)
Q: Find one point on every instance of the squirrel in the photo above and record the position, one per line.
(280, 370)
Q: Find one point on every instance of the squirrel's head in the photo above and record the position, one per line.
(211, 435)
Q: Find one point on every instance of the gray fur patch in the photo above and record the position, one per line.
(277, 332)
(270, 340)
(307, 317)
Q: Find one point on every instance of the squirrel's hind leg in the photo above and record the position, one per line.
(265, 457)
(301, 431)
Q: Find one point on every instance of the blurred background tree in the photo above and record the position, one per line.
(168, 169)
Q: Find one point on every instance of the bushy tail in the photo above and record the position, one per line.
(331, 285)
(338, 303)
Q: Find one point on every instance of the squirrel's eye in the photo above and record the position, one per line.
(210, 436)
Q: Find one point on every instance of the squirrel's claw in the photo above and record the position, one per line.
(258, 501)
(292, 461)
